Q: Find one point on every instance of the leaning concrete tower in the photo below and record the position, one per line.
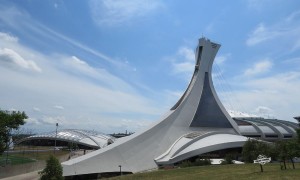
(198, 123)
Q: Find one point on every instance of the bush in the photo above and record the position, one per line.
(197, 162)
(185, 164)
(53, 170)
(228, 159)
(202, 162)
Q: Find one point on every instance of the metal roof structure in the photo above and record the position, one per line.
(91, 139)
(266, 129)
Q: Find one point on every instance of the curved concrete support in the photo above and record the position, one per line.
(207, 144)
(185, 142)
(284, 126)
(276, 131)
(198, 110)
(256, 128)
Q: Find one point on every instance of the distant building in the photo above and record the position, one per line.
(83, 139)
(120, 135)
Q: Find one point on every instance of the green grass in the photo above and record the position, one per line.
(14, 159)
(23, 157)
(239, 172)
(42, 155)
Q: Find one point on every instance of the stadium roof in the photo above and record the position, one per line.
(266, 129)
(91, 139)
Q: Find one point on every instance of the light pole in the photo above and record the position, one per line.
(120, 170)
(7, 146)
(55, 138)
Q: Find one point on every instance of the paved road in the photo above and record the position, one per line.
(28, 176)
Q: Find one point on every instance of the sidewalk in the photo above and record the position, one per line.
(28, 176)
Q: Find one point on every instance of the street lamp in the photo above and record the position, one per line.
(120, 170)
(55, 138)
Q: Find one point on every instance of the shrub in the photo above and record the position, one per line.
(228, 159)
(53, 170)
(202, 162)
(197, 162)
(185, 164)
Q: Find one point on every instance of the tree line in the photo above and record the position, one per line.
(282, 151)
(9, 121)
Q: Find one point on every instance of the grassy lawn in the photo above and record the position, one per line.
(14, 159)
(246, 171)
(28, 157)
(41, 155)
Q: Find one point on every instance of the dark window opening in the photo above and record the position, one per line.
(271, 136)
(254, 136)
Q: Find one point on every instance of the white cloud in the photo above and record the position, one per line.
(11, 58)
(83, 69)
(284, 33)
(296, 46)
(295, 60)
(32, 121)
(210, 28)
(53, 120)
(58, 107)
(187, 53)
(259, 68)
(219, 60)
(132, 124)
(294, 16)
(271, 96)
(21, 21)
(184, 60)
(233, 113)
(258, 4)
(117, 12)
(36, 109)
(183, 67)
(92, 95)
(8, 37)
(264, 111)
(260, 34)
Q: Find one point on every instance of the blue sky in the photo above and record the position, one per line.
(116, 65)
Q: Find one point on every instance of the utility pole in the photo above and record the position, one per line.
(120, 170)
(55, 138)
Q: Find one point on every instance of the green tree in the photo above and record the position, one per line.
(252, 148)
(53, 170)
(281, 148)
(288, 150)
(293, 148)
(9, 120)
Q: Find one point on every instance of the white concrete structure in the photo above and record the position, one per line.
(266, 129)
(198, 123)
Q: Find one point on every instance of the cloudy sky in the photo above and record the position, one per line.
(116, 65)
